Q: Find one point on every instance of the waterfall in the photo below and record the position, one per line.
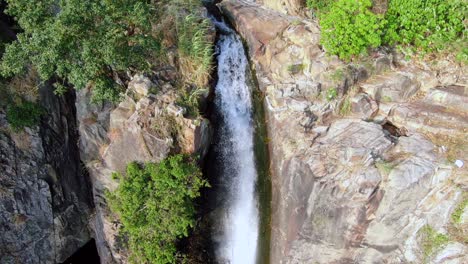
(236, 147)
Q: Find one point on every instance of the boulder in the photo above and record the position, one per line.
(141, 85)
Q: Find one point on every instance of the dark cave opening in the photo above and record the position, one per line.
(87, 254)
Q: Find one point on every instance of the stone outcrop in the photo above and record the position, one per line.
(45, 201)
(362, 154)
(145, 126)
(292, 7)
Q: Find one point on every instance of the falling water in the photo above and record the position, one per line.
(234, 103)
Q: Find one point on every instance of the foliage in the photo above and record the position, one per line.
(319, 5)
(189, 99)
(2, 45)
(194, 46)
(296, 68)
(431, 241)
(81, 42)
(384, 167)
(25, 114)
(458, 212)
(428, 24)
(155, 206)
(332, 93)
(350, 28)
(346, 106)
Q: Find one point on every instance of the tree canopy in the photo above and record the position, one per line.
(155, 206)
(81, 42)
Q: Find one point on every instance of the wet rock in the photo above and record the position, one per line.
(255, 24)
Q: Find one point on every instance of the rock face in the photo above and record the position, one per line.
(45, 200)
(292, 7)
(362, 154)
(145, 126)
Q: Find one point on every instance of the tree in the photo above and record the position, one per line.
(155, 206)
(81, 42)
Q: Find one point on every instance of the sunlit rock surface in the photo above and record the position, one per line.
(362, 154)
(145, 126)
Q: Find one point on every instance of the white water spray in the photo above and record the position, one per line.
(233, 101)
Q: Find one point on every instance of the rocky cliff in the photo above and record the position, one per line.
(145, 126)
(45, 194)
(363, 154)
(53, 177)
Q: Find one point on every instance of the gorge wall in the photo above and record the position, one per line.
(362, 153)
(45, 193)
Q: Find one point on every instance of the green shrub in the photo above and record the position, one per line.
(431, 25)
(319, 5)
(431, 241)
(81, 42)
(350, 28)
(155, 206)
(332, 93)
(26, 114)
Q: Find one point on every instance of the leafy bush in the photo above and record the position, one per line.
(332, 93)
(81, 42)
(155, 206)
(429, 24)
(26, 114)
(350, 28)
(319, 5)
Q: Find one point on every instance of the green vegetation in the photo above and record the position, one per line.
(384, 167)
(189, 99)
(430, 25)
(319, 5)
(296, 68)
(25, 114)
(386, 99)
(338, 75)
(155, 206)
(332, 93)
(431, 241)
(458, 212)
(81, 42)
(350, 28)
(195, 49)
(345, 107)
(97, 43)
